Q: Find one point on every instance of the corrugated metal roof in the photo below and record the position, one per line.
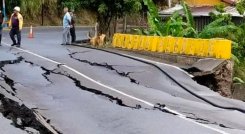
(232, 2)
(199, 11)
(172, 9)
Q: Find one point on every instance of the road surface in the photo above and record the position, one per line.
(49, 88)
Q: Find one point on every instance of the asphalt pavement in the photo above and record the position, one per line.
(77, 90)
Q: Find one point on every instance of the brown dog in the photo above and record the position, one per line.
(96, 40)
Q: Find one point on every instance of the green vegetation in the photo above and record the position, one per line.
(107, 10)
(220, 27)
(52, 11)
(241, 6)
(104, 11)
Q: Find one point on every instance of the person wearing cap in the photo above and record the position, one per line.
(66, 27)
(16, 24)
(1, 25)
(72, 29)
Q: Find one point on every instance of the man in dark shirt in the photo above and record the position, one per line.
(16, 24)
(72, 29)
(1, 26)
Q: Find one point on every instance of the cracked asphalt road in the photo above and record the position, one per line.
(68, 103)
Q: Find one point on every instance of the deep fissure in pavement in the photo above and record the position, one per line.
(78, 84)
(6, 79)
(105, 65)
(203, 121)
(160, 107)
(21, 116)
(9, 62)
(97, 92)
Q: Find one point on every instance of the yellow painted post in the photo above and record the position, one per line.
(192, 46)
(223, 49)
(142, 43)
(136, 42)
(151, 40)
(196, 47)
(171, 44)
(167, 45)
(147, 43)
(178, 45)
(113, 41)
(160, 45)
(217, 48)
(130, 42)
(211, 48)
(227, 45)
(164, 44)
(122, 40)
(202, 44)
(187, 50)
(155, 43)
(119, 40)
(126, 41)
(204, 47)
(184, 46)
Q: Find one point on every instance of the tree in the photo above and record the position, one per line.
(71, 4)
(107, 10)
(174, 26)
(241, 6)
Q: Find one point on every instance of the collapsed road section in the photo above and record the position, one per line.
(13, 109)
(67, 99)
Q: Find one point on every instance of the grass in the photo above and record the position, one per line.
(239, 70)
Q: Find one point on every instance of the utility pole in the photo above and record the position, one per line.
(169, 3)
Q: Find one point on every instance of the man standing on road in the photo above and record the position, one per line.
(66, 27)
(1, 26)
(16, 24)
(73, 30)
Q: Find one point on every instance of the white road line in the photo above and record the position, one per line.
(118, 91)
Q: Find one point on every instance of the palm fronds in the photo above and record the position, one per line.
(188, 15)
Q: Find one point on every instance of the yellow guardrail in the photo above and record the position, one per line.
(215, 48)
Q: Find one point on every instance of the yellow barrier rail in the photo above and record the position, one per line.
(215, 48)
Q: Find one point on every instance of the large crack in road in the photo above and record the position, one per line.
(21, 116)
(126, 74)
(8, 106)
(107, 66)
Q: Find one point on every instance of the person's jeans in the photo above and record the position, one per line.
(1, 31)
(66, 36)
(73, 34)
(12, 34)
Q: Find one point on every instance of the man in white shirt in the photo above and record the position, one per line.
(66, 27)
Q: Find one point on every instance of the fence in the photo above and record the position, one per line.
(214, 48)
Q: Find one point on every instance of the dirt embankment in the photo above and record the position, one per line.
(83, 17)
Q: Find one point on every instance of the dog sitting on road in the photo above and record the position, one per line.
(96, 40)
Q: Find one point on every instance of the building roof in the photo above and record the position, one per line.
(199, 11)
(200, 3)
(232, 2)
